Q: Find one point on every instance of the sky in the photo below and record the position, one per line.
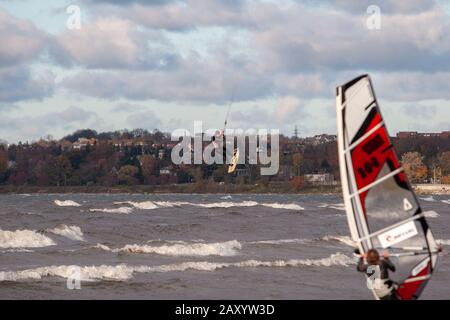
(167, 63)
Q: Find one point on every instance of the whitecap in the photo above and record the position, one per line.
(24, 239)
(124, 272)
(228, 248)
(70, 232)
(123, 210)
(431, 214)
(429, 199)
(67, 203)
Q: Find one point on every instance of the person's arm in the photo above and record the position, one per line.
(361, 267)
(389, 264)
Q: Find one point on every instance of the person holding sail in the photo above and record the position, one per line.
(377, 271)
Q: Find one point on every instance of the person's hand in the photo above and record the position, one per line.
(386, 254)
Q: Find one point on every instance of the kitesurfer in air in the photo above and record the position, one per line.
(378, 270)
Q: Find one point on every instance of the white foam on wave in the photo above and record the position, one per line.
(151, 205)
(281, 241)
(228, 248)
(226, 204)
(429, 199)
(122, 210)
(336, 206)
(124, 272)
(446, 201)
(70, 232)
(228, 197)
(343, 239)
(102, 272)
(24, 239)
(67, 203)
(145, 205)
(431, 214)
(287, 206)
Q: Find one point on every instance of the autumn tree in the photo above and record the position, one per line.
(148, 166)
(297, 162)
(414, 166)
(3, 164)
(444, 162)
(60, 170)
(127, 175)
(297, 183)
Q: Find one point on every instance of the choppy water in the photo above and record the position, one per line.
(189, 247)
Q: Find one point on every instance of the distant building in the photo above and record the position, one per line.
(412, 134)
(161, 154)
(406, 134)
(82, 143)
(242, 172)
(319, 178)
(166, 171)
(320, 139)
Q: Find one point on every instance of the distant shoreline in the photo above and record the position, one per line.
(206, 188)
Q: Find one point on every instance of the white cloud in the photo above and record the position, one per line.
(34, 127)
(20, 40)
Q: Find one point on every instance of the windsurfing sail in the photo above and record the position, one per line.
(382, 210)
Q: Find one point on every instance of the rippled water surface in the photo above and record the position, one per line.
(189, 247)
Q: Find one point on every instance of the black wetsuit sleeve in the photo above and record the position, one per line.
(361, 267)
(389, 264)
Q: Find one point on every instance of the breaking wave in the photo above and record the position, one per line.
(281, 241)
(151, 205)
(336, 206)
(429, 199)
(287, 206)
(124, 272)
(67, 203)
(146, 205)
(123, 210)
(431, 214)
(446, 201)
(24, 239)
(228, 248)
(343, 239)
(226, 204)
(70, 232)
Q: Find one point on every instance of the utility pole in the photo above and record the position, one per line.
(296, 132)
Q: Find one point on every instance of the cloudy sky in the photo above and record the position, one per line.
(165, 63)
